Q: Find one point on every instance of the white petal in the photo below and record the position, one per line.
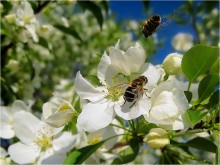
(85, 90)
(180, 99)
(151, 73)
(19, 105)
(65, 142)
(25, 126)
(164, 106)
(118, 59)
(102, 67)
(135, 57)
(7, 131)
(60, 119)
(49, 108)
(129, 112)
(31, 29)
(95, 116)
(3, 153)
(55, 158)
(23, 154)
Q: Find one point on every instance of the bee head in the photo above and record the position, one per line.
(156, 17)
(144, 79)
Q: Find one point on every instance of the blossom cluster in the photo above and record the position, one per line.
(161, 102)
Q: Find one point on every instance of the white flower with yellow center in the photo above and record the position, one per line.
(4, 160)
(58, 112)
(107, 101)
(7, 117)
(38, 141)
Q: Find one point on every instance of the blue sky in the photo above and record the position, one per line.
(134, 10)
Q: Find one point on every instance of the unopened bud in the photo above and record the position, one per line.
(157, 138)
(10, 18)
(172, 64)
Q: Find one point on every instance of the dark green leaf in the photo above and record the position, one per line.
(80, 155)
(195, 116)
(207, 86)
(170, 157)
(30, 63)
(146, 3)
(129, 154)
(91, 6)
(202, 144)
(43, 42)
(215, 67)
(69, 30)
(104, 3)
(198, 60)
(94, 80)
(214, 99)
(188, 95)
(6, 7)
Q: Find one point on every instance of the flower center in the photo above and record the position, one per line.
(44, 139)
(64, 107)
(95, 140)
(27, 19)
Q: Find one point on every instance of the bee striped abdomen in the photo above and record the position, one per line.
(129, 95)
(151, 25)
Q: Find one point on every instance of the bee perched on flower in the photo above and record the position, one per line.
(105, 102)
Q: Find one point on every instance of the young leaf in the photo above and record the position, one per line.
(207, 86)
(129, 154)
(71, 31)
(43, 42)
(188, 95)
(214, 99)
(80, 155)
(94, 9)
(198, 60)
(195, 116)
(202, 144)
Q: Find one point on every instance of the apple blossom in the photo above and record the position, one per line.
(157, 138)
(169, 105)
(172, 64)
(4, 160)
(58, 112)
(10, 18)
(38, 141)
(182, 42)
(7, 117)
(106, 101)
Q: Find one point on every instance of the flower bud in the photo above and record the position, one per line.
(10, 18)
(13, 65)
(182, 42)
(172, 64)
(157, 138)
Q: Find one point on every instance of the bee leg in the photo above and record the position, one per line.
(146, 94)
(132, 104)
(124, 103)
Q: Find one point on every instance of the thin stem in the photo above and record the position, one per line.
(188, 88)
(194, 158)
(114, 125)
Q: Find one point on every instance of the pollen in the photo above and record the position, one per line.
(95, 140)
(44, 142)
(27, 19)
(64, 107)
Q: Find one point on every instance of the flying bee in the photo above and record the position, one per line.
(134, 88)
(151, 25)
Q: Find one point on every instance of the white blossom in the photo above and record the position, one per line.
(169, 105)
(106, 101)
(39, 143)
(7, 117)
(182, 42)
(58, 113)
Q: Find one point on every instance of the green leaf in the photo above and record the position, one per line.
(198, 60)
(170, 157)
(80, 155)
(104, 3)
(6, 7)
(68, 30)
(91, 6)
(215, 67)
(129, 154)
(207, 86)
(214, 99)
(202, 144)
(43, 42)
(188, 95)
(195, 116)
